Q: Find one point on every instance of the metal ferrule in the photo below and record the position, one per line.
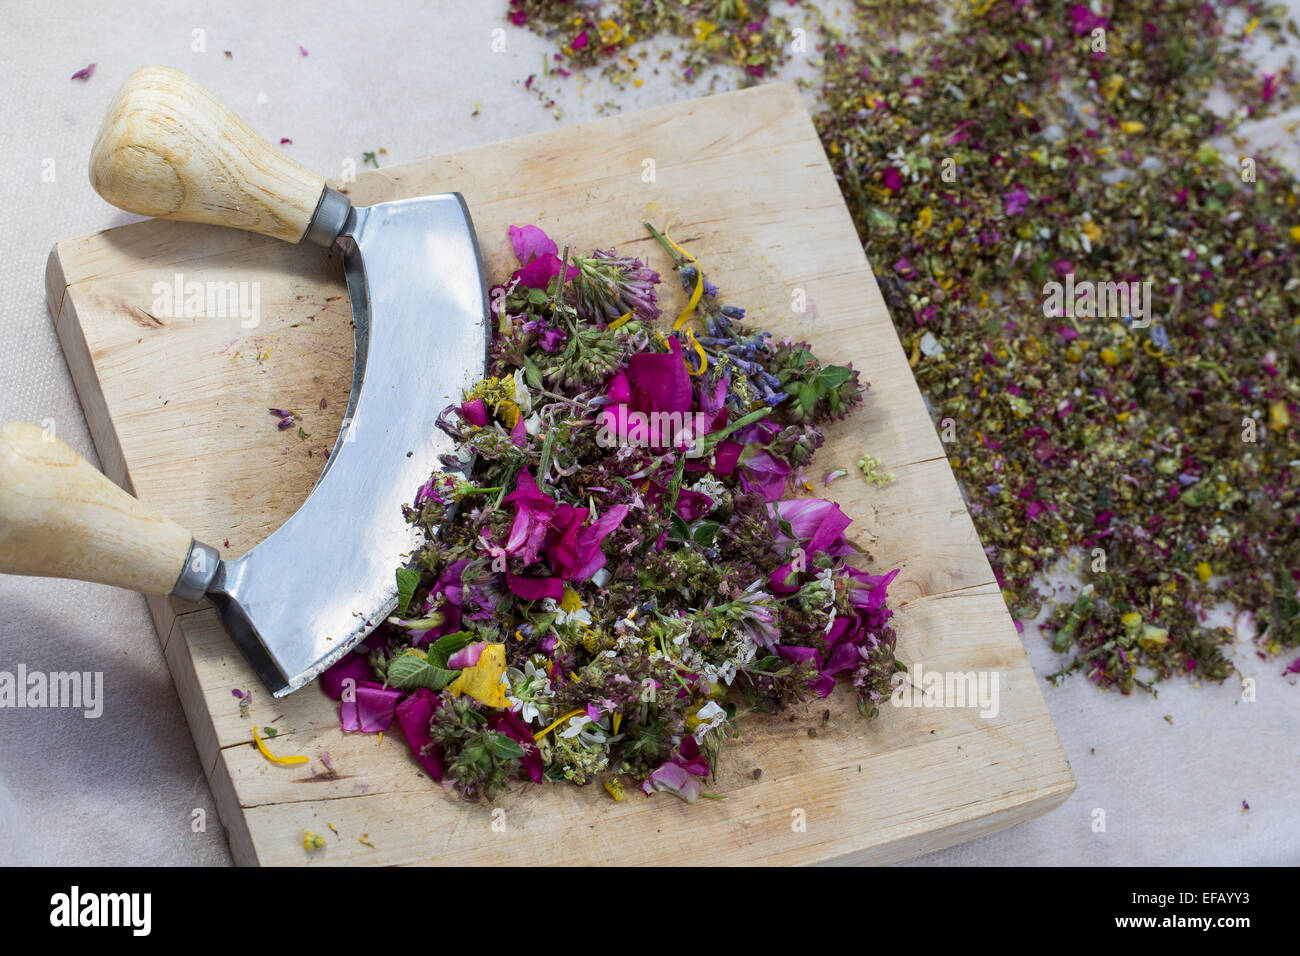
(200, 568)
(330, 217)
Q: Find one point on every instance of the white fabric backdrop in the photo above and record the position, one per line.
(123, 788)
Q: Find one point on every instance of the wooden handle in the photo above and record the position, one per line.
(61, 518)
(169, 148)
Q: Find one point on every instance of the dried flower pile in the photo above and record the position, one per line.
(990, 149)
(611, 550)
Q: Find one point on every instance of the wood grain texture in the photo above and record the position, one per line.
(61, 518)
(169, 148)
(746, 187)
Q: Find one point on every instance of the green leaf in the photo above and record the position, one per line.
(677, 529)
(505, 748)
(704, 533)
(408, 579)
(532, 374)
(786, 527)
(833, 376)
(412, 669)
(448, 644)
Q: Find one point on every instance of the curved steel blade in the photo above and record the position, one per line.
(304, 596)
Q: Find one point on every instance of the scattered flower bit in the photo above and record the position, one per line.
(1244, 806)
(325, 760)
(870, 468)
(286, 419)
(302, 50)
(283, 761)
(750, 38)
(312, 841)
(229, 55)
(84, 73)
(835, 475)
(285, 141)
(333, 829)
(365, 838)
(596, 598)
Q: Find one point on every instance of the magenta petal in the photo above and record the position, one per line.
(529, 242)
(725, 457)
(538, 273)
(534, 589)
(371, 710)
(765, 474)
(784, 580)
(796, 653)
(868, 590)
(352, 666)
(413, 716)
(816, 522)
(689, 758)
(466, 656)
(844, 657)
(534, 512)
(562, 539)
(692, 504)
(590, 556)
(474, 412)
(659, 382)
(618, 392)
(671, 778)
(507, 722)
(822, 685)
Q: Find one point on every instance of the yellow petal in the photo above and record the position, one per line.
(483, 680)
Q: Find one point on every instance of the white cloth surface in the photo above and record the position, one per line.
(124, 788)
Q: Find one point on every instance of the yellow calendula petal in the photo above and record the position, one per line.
(556, 722)
(1203, 571)
(1279, 417)
(620, 321)
(283, 761)
(699, 350)
(1132, 126)
(483, 680)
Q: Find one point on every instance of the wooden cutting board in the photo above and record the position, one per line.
(178, 411)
